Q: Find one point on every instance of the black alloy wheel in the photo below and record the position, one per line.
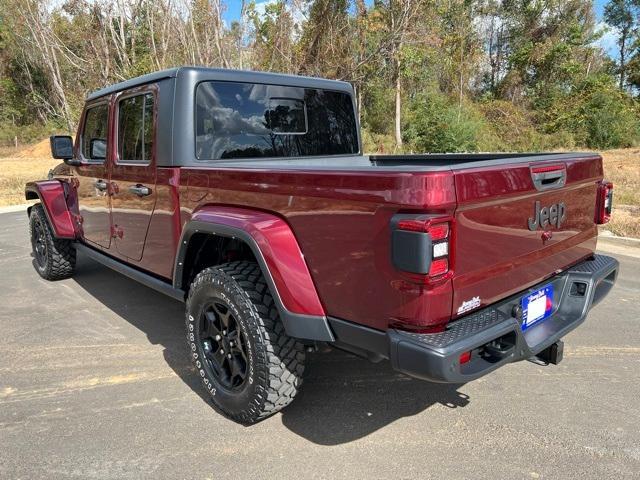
(224, 345)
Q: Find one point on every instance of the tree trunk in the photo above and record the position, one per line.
(361, 10)
(623, 45)
(398, 129)
(217, 33)
(46, 47)
(461, 81)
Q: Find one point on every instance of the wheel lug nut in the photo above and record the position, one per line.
(229, 356)
(218, 337)
(222, 351)
(231, 344)
(224, 332)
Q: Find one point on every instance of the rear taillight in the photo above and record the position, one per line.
(439, 233)
(422, 245)
(604, 202)
(438, 267)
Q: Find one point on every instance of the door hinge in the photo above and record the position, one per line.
(117, 232)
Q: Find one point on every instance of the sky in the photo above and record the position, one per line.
(233, 8)
(607, 42)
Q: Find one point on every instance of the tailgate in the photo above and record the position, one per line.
(500, 245)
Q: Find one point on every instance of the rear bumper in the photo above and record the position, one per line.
(436, 357)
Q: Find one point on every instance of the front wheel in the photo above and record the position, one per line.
(248, 364)
(54, 258)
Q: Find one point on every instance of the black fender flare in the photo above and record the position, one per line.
(297, 325)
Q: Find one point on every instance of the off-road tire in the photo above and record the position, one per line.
(54, 258)
(274, 361)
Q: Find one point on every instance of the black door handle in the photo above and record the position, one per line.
(140, 190)
(101, 185)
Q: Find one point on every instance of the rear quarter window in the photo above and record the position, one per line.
(247, 120)
(135, 128)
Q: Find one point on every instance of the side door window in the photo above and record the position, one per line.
(94, 134)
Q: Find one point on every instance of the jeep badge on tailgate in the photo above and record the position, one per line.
(552, 215)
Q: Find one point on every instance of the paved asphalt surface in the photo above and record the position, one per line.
(95, 384)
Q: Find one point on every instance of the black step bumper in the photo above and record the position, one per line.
(436, 357)
(493, 335)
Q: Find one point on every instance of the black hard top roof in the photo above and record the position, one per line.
(221, 74)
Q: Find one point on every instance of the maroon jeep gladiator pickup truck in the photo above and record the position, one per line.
(246, 195)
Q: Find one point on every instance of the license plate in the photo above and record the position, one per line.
(537, 306)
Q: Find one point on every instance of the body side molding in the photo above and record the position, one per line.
(133, 273)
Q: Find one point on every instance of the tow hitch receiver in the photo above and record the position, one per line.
(553, 353)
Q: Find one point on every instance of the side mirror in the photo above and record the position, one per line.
(98, 149)
(61, 147)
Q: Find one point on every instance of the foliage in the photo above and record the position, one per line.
(378, 104)
(429, 75)
(598, 113)
(436, 123)
(378, 142)
(25, 134)
(516, 129)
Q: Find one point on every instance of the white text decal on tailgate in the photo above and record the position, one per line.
(469, 305)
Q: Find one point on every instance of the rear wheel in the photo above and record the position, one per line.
(248, 364)
(54, 258)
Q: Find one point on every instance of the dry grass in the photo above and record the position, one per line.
(32, 163)
(6, 152)
(622, 167)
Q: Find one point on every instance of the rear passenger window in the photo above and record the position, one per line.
(94, 134)
(248, 120)
(135, 128)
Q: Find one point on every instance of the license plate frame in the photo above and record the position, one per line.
(537, 306)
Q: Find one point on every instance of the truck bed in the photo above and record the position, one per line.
(340, 209)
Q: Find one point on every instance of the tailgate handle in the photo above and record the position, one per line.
(550, 176)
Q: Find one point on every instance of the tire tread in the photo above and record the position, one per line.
(281, 377)
(61, 254)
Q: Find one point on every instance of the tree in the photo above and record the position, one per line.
(428, 74)
(493, 34)
(622, 15)
(549, 49)
(401, 13)
(273, 44)
(326, 46)
(394, 22)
